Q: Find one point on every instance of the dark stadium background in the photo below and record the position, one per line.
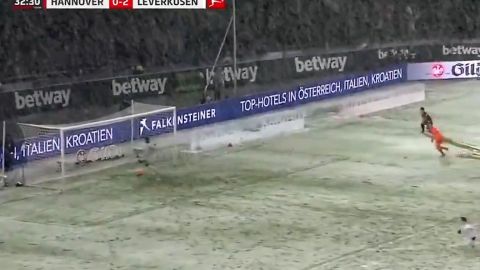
(83, 50)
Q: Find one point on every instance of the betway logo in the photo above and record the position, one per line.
(461, 50)
(41, 98)
(318, 63)
(248, 73)
(137, 85)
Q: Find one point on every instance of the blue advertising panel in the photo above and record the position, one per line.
(266, 102)
(98, 136)
(154, 124)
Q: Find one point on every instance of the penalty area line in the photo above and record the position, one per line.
(366, 248)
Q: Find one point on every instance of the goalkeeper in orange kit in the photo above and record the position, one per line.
(437, 136)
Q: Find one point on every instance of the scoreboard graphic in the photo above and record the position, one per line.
(119, 4)
(27, 4)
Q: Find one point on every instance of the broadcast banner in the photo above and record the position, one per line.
(444, 70)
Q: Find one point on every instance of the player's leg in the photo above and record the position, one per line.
(423, 125)
(439, 147)
(441, 140)
(472, 241)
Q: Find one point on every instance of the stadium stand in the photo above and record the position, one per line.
(104, 42)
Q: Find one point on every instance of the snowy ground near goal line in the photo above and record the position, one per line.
(368, 193)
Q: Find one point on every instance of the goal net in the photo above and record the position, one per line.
(49, 152)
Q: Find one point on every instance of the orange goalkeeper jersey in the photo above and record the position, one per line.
(437, 135)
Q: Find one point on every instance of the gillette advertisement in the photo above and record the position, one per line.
(444, 70)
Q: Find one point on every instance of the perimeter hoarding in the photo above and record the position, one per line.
(157, 124)
(444, 70)
(184, 88)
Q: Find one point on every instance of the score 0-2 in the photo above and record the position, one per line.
(121, 4)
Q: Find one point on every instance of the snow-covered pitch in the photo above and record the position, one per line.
(349, 193)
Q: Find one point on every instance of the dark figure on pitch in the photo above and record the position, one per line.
(426, 119)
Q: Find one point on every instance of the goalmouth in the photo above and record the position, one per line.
(52, 152)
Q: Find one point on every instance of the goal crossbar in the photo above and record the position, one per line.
(100, 122)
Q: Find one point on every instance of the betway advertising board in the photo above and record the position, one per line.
(444, 70)
(160, 123)
(466, 51)
(184, 88)
(187, 85)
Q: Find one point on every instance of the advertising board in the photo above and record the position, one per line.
(158, 124)
(444, 70)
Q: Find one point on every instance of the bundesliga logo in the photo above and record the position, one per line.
(216, 4)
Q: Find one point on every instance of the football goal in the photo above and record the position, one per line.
(49, 152)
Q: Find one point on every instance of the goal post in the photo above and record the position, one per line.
(2, 153)
(52, 152)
